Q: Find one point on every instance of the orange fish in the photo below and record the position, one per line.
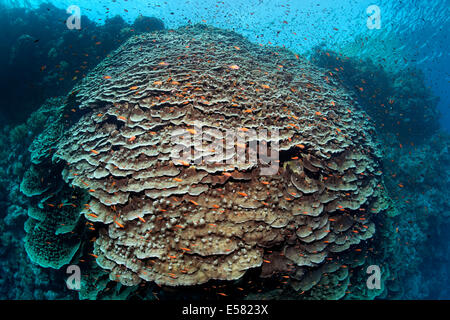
(119, 224)
(184, 163)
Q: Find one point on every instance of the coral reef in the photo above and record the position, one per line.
(179, 224)
(53, 210)
(416, 172)
(21, 279)
(397, 100)
(147, 24)
(88, 179)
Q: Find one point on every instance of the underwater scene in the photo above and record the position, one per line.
(224, 150)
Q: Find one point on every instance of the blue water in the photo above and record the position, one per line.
(418, 27)
(412, 39)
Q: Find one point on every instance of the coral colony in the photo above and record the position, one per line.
(192, 162)
(179, 224)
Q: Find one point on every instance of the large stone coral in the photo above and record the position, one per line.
(187, 222)
(52, 229)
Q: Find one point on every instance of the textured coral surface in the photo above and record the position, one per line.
(187, 222)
